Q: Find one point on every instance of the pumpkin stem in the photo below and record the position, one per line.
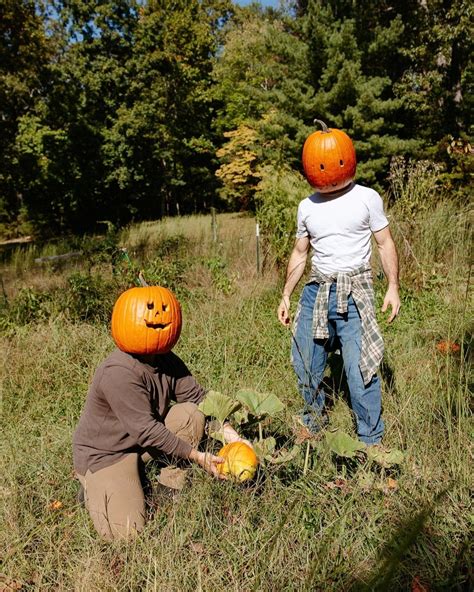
(142, 280)
(323, 125)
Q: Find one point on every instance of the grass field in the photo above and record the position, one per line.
(320, 523)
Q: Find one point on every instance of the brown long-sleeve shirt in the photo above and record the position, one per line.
(125, 408)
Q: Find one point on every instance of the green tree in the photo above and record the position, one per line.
(353, 92)
(24, 55)
(394, 74)
(263, 85)
(160, 149)
(60, 140)
(125, 127)
(437, 86)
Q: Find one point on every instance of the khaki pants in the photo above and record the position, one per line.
(114, 496)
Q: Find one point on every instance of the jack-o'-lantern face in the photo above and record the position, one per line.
(146, 320)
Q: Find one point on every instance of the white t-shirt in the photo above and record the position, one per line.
(339, 227)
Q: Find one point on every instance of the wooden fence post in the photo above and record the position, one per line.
(214, 225)
(257, 236)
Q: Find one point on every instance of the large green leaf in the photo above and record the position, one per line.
(264, 448)
(219, 436)
(218, 405)
(240, 416)
(384, 458)
(260, 403)
(343, 445)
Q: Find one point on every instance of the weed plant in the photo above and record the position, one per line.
(327, 525)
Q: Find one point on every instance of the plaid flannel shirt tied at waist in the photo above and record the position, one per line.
(359, 283)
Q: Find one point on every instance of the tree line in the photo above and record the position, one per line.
(136, 109)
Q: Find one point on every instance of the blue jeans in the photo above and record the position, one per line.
(309, 357)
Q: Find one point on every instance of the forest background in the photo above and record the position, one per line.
(131, 110)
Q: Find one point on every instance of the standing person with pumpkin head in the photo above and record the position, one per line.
(336, 307)
(128, 417)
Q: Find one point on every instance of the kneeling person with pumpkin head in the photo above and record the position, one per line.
(129, 418)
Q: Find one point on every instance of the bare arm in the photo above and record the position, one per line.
(295, 270)
(389, 259)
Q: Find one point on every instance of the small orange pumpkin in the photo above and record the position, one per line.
(329, 159)
(146, 320)
(240, 461)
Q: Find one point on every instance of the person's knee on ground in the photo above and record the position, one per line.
(115, 500)
(187, 422)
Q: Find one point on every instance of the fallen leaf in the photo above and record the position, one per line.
(8, 584)
(198, 548)
(388, 487)
(392, 483)
(55, 505)
(116, 566)
(447, 347)
(302, 434)
(384, 457)
(285, 456)
(337, 484)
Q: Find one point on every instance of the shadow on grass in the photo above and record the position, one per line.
(410, 553)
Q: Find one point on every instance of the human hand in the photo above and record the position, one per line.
(209, 462)
(284, 311)
(230, 435)
(392, 299)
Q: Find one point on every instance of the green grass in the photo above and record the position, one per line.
(337, 526)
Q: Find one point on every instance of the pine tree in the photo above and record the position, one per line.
(263, 86)
(351, 93)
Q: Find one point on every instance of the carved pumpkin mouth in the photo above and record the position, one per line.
(157, 326)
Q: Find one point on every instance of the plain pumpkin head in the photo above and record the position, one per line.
(329, 159)
(146, 320)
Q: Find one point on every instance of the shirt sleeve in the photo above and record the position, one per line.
(301, 230)
(129, 400)
(377, 218)
(186, 387)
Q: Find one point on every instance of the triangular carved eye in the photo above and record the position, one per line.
(321, 166)
(150, 305)
(164, 307)
(341, 163)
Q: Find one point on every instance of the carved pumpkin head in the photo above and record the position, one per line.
(329, 159)
(146, 320)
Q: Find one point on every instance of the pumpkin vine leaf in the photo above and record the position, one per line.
(218, 405)
(384, 458)
(344, 445)
(219, 436)
(240, 416)
(285, 456)
(260, 404)
(265, 448)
